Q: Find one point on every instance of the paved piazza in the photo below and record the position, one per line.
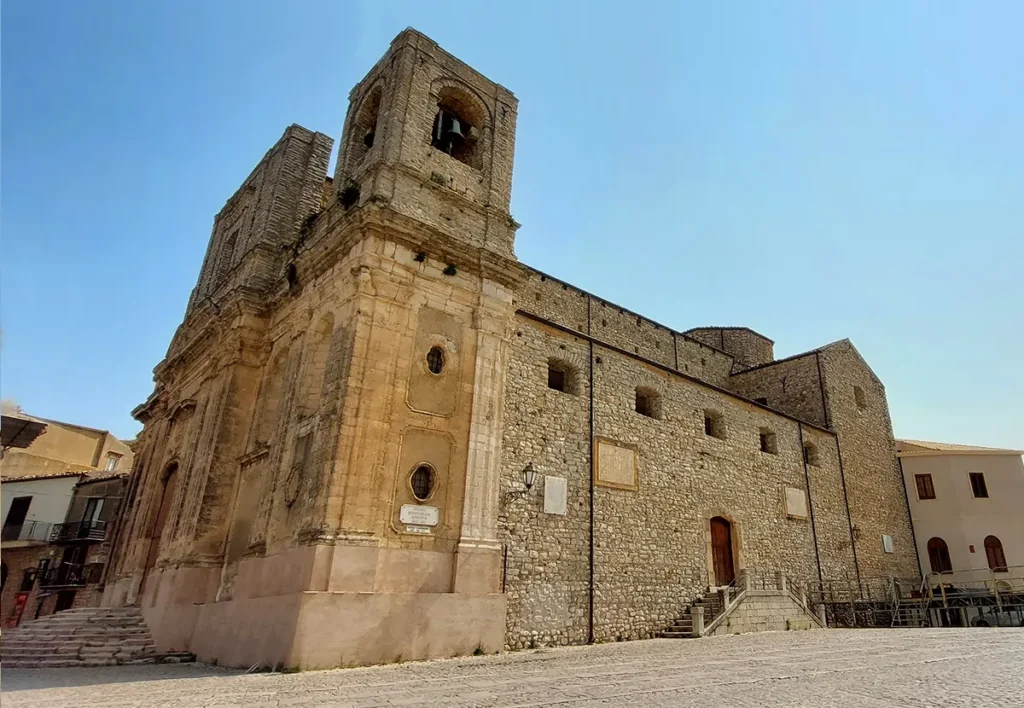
(924, 667)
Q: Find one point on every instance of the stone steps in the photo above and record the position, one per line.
(682, 628)
(83, 637)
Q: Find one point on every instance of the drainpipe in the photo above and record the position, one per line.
(810, 507)
(849, 519)
(590, 604)
(842, 473)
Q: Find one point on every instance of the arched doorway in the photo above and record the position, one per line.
(168, 483)
(938, 556)
(994, 554)
(721, 551)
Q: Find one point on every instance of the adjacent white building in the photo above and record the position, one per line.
(967, 508)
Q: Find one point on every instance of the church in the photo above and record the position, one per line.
(377, 436)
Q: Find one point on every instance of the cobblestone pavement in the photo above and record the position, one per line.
(917, 667)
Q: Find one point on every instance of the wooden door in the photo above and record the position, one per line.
(721, 551)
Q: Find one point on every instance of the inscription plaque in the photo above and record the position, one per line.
(415, 515)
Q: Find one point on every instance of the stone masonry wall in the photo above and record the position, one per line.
(651, 545)
(791, 385)
(877, 497)
(554, 300)
(747, 346)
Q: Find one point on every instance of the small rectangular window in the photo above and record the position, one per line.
(768, 442)
(713, 425)
(763, 401)
(978, 485)
(925, 488)
(112, 461)
(556, 379)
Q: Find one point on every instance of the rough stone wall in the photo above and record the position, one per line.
(651, 545)
(878, 505)
(564, 304)
(747, 346)
(791, 385)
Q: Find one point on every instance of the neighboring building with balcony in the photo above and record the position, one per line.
(80, 546)
(45, 512)
(31, 508)
(55, 561)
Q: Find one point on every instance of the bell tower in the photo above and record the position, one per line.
(433, 139)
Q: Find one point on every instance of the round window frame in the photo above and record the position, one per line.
(433, 482)
(444, 360)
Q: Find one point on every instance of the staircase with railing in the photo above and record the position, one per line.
(752, 602)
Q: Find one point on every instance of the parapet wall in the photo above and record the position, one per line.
(568, 306)
(747, 346)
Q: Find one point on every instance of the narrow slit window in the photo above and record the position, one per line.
(713, 426)
(810, 454)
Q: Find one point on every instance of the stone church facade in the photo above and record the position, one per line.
(334, 464)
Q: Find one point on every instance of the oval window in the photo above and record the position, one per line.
(422, 482)
(435, 360)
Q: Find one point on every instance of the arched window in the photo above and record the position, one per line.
(226, 258)
(364, 128)
(316, 365)
(994, 552)
(271, 395)
(938, 556)
(457, 126)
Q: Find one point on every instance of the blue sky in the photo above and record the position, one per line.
(811, 170)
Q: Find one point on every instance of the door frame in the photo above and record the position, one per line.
(736, 536)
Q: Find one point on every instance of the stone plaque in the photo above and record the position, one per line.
(555, 494)
(417, 529)
(887, 544)
(615, 465)
(796, 503)
(417, 515)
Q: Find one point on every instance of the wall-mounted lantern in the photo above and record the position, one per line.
(529, 477)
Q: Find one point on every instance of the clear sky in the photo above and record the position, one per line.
(812, 170)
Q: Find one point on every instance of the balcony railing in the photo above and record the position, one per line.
(79, 531)
(64, 574)
(29, 531)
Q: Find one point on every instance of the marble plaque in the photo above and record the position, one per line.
(615, 465)
(417, 515)
(555, 495)
(796, 503)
